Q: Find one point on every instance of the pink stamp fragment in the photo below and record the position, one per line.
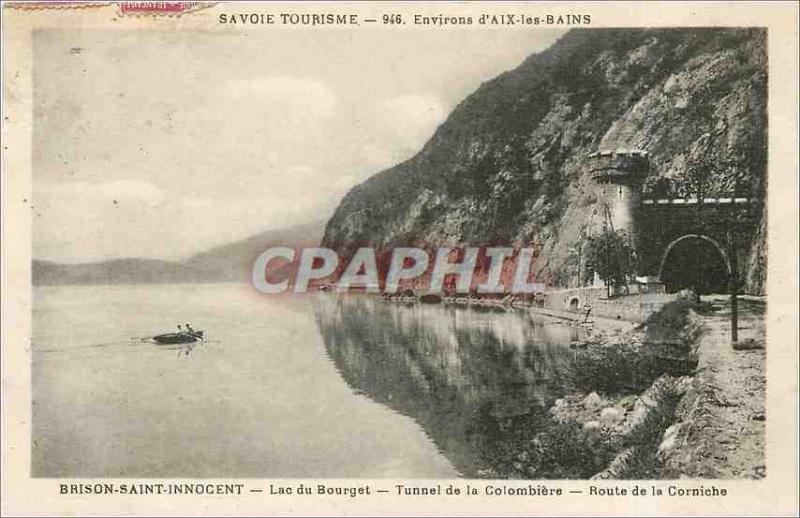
(160, 8)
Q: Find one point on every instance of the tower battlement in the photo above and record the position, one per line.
(619, 166)
(618, 176)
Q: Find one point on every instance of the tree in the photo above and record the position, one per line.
(696, 179)
(609, 255)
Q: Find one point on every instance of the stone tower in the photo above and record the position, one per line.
(618, 177)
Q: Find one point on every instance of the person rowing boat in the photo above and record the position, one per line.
(186, 334)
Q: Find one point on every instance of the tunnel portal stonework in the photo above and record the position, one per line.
(653, 226)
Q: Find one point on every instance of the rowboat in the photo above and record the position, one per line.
(179, 338)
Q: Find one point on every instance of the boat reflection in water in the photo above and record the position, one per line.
(477, 380)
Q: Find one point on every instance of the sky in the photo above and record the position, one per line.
(163, 144)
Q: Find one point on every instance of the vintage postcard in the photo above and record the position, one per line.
(371, 258)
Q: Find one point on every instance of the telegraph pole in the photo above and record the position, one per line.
(734, 284)
(700, 177)
(734, 271)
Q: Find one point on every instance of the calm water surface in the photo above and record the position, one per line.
(314, 386)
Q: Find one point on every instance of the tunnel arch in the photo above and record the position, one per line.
(700, 237)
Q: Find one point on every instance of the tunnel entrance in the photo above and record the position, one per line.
(697, 262)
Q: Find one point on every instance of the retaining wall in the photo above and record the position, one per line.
(632, 308)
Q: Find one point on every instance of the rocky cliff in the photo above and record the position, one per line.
(509, 163)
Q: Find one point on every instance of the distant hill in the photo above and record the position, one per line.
(234, 261)
(117, 271)
(224, 263)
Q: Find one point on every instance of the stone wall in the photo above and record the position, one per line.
(632, 308)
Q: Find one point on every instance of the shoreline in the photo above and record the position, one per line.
(647, 399)
(601, 323)
(704, 419)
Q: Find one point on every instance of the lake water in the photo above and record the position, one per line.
(312, 386)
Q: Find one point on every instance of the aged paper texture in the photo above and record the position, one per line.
(399, 258)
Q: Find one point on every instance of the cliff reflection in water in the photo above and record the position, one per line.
(478, 381)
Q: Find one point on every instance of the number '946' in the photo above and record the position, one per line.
(392, 19)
